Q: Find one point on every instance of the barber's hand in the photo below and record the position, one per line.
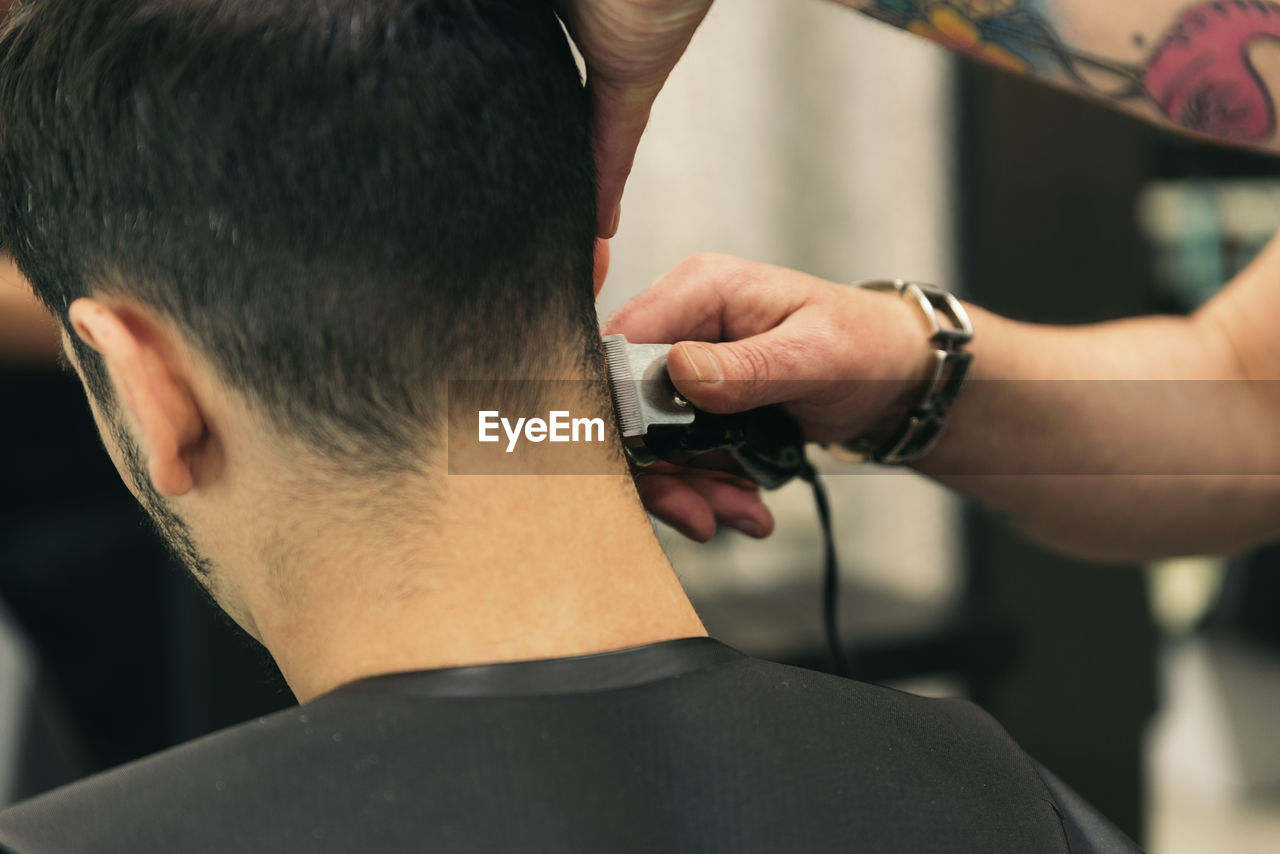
(844, 361)
(630, 46)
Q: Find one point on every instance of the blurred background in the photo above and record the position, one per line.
(806, 136)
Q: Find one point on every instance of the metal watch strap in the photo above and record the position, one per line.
(925, 422)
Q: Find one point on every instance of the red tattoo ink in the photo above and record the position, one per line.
(1201, 77)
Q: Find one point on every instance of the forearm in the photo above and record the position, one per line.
(1125, 440)
(1209, 68)
(27, 333)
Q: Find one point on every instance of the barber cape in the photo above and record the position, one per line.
(683, 746)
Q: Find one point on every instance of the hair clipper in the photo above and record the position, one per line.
(764, 445)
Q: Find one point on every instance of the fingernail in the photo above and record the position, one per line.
(703, 363)
(748, 526)
(617, 219)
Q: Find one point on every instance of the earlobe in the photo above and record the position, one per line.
(601, 271)
(152, 388)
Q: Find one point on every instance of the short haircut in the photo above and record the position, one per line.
(342, 203)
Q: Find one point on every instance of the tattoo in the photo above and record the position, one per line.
(1199, 76)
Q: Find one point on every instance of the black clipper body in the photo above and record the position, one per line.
(764, 445)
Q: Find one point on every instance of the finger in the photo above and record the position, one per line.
(734, 506)
(664, 467)
(675, 502)
(693, 504)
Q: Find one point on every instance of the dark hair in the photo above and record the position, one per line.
(343, 203)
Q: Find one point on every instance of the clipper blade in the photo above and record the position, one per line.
(642, 392)
(626, 393)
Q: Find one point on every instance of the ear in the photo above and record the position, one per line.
(601, 263)
(140, 356)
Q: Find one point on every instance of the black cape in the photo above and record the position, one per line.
(683, 746)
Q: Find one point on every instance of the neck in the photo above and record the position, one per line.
(509, 568)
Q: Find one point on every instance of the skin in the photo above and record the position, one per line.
(1196, 67)
(1206, 69)
(1051, 430)
(1202, 68)
(1175, 63)
(342, 578)
(629, 46)
(27, 332)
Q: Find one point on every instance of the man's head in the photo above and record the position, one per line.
(333, 206)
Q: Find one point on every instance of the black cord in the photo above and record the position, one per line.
(831, 573)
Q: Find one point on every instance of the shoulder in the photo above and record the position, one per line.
(1086, 829)
(858, 708)
(365, 765)
(947, 753)
(206, 792)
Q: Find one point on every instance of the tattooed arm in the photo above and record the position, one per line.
(1204, 67)
(1209, 68)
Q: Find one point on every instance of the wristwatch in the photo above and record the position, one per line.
(949, 331)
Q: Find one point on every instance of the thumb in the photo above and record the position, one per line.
(735, 376)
